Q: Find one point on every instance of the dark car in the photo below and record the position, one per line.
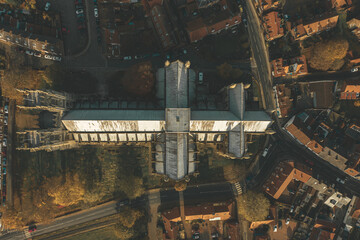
(32, 228)
(196, 235)
(123, 202)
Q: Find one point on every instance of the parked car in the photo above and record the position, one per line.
(287, 221)
(4, 170)
(354, 69)
(201, 78)
(57, 58)
(5, 122)
(79, 11)
(28, 52)
(127, 58)
(123, 202)
(4, 142)
(340, 180)
(96, 12)
(48, 56)
(275, 228)
(47, 6)
(6, 109)
(78, 2)
(37, 54)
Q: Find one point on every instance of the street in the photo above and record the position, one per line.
(169, 199)
(260, 54)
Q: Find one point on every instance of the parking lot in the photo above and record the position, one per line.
(4, 111)
(74, 28)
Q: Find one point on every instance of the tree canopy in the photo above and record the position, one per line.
(127, 226)
(228, 73)
(68, 192)
(253, 206)
(328, 55)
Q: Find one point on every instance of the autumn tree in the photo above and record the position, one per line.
(28, 4)
(328, 55)
(126, 226)
(253, 206)
(66, 192)
(180, 186)
(233, 171)
(139, 79)
(228, 73)
(123, 232)
(128, 216)
(357, 103)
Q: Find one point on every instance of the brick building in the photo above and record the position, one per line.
(289, 67)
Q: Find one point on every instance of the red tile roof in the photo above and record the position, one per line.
(284, 173)
(272, 24)
(351, 90)
(294, 66)
(303, 31)
(284, 99)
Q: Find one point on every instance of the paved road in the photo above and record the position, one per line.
(260, 54)
(320, 77)
(169, 198)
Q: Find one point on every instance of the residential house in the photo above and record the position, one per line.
(323, 230)
(299, 128)
(283, 99)
(289, 67)
(205, 212)
(112, 40)
(281, 177)
(264, 5)
(341, 4)
(16, 31)
(207, 21)
(303, 31)
(320, 93)
(354, 26)
(272, 25)
(350, 90)
(162, 26)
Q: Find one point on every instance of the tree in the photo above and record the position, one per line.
(328, 55)
(180, 186)
(357, 103)
(123, 232)
(65, 193)
(233, 171)
(139, 80)
(132, 186)
(128, 216)
(227, 73)
(253, 206)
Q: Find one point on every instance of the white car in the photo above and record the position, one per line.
(287, 221)
(47, 6)
(48, 57)
(28, 52)
(340, 180)
(354, 69)
(275, 228)
(96, 12)
(127, 58)
(56, 58)
(79, 11)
